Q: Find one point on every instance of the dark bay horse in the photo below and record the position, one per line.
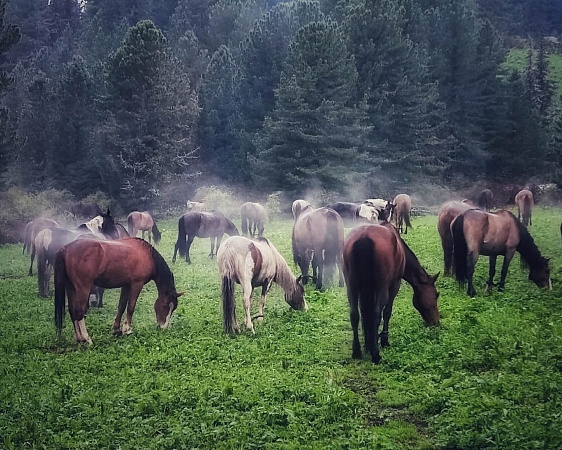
(202, 224)
(485, 200)
(143, 221)
(128, 264)
(85, 210)
(478, 232)
(446, 214)
(254, 263)
(348, 211)
(253, 216)
(402, 209)
(318, 233)
(376, 259)
(30, 233)
(524, 202)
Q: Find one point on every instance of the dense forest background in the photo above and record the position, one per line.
(146, 100)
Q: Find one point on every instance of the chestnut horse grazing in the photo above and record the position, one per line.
(31, 230)
(202, 224)
(298, 206)
(402, 209)
(478, 232)
(254, 263)
(375, 261)
(524, 202)
(253, 217)
(143, 221)
(318, 233)
(128, 264)
(446, 214)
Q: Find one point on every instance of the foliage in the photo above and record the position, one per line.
(215, 197)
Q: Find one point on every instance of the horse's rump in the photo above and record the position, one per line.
(298, 207)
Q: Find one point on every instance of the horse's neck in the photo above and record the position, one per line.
(414, 273)
(284, 277)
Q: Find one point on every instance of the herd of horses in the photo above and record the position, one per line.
(371, 261)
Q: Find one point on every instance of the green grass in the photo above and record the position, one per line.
(488, 377)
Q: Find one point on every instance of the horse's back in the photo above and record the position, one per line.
(244, 257)
(490, 233)
(313, 228)
(447, 213)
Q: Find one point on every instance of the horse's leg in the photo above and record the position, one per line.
(188, 246)
(371, 309)
(123, 299)
(304, 263)
(247, 292)
(506, 260)
(264, 290)
(317, 268)
(134, 293)
(491, 272)
(353, 299)
(30, 273)
(142, 234)
(387, 312)
(77, 307)
(472, 257)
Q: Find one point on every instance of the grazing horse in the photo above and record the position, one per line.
(385, 207)
(30, 233)
(319, 232)
(253, 217)
(202, 224)
(524, 202)
(375, 261)
(254, 263)
(299, 206)
(446, 214)
(485, 200)
(128, 264)
(354, 213)
(402, 209)
(143, 221)
(85, 210)
(478, 232)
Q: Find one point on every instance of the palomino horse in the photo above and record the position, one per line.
(202, 224)
(50, 240)
(253, 217)
(524, 202)
(375, 261)
(86, 210)
(402, 209)
(485, 200)
(318, 232)
(143, 221)
(128, 264)
(298, 206)
(254, 263)
(446, 214)
(30, 233)
(478, 232)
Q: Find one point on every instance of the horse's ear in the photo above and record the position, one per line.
(179, 294)
(108, 213)
(436, 276)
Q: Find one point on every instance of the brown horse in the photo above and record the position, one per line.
(202, 224)
(254, 263)
(253, 217)
(320, 233)
(485, 199)
(478, 232)
(375, 261)
(402, 209)
(128, 264)
(143, 221)
(298, 206)
(30, 233)
(524, 202)
(446, 214)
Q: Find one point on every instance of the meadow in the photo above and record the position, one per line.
(490, 376)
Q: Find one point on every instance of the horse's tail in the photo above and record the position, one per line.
(244, 217)
(156, 233)
(42, 270)
(130, 226)
(27, 239)
(181, 244)
(294, 247)
(406, 215)
(460, 251)
(527, 207)
(60, 288)
(228, 303)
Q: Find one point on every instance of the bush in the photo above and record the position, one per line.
(219, 198)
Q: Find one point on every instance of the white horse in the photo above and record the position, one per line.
(254, 263)
(385, 207)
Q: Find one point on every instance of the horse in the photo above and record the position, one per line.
(385, 207)
(121, 231)
(128, 264)
(354, 213)
(254, 263)
(86, 210)
(298, 206)
(143, 221)
(202, 224)
(478, 232)
(446, 214)
(402, 209)
(376, 259)
(319, 232)
(524, 202)
(30, 233)
(485, 200)
(253, 217)
(50, 240)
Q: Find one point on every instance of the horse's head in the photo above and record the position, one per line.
(231, 229)
(295, 296)
(165, 305)
(425, 301)
(108, 227)
(540, 274)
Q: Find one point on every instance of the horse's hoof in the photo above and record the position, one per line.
(117, 332)
(357, 355)
(376, 358)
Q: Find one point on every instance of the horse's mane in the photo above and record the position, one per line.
(527, 248)
(162, 271)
